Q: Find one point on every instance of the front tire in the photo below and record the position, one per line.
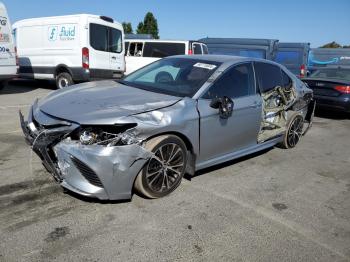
(163, 173)
(63, 80)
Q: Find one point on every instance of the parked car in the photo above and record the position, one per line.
(331, 86)
(294, 56)
(8, 66)
(248, 47)
(324, 57)
(69, 49)
(179, 114)
(141, 52)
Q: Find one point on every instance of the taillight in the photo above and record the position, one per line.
(16, 55)
(302, 71)
(190, 52)
(85, 57)
(343, 89)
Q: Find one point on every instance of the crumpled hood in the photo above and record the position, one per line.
(102, 102)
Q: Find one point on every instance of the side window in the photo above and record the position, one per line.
(238, 81)
(115, 41)
(268, 76)
(154, 49)
(286, 81)
(205, 49)
(197, 50)
(99, 37)
(135, 49)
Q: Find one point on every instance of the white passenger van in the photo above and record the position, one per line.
(8, 67)
(141, 52)
(72, 48)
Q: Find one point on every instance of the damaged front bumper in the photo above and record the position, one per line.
(100, 171)
(103, 172)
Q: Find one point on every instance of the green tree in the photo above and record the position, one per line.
(346, 46)
(127, 28)
(148, 26)
(331, 45)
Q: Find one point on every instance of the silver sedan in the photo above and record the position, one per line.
(175, 116)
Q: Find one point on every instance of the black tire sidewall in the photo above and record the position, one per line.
(65, 75)
(167, 140)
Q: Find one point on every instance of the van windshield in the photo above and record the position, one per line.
(173, 76)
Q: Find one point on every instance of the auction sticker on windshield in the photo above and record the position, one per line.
(206, 66)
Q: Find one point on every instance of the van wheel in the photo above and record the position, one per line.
(162, 174)
(63, 80)
(2, 84)
(294, 131)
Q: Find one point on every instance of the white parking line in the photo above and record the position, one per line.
(14, 106)
(11, 132)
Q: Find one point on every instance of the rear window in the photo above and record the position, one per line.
(99, 37)
(205, 49)
(255, 53)
(115, 40)
(163, 49)
(288, 57)
(268, 76)
(197, 49)
(106, 39)
(332, 73)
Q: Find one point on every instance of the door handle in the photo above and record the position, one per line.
(113, 57)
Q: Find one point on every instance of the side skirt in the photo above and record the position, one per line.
(239, 153)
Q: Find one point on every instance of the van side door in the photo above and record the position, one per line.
(99, 57)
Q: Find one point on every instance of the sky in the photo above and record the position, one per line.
(316, 22)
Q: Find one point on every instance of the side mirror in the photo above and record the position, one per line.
(225, 106)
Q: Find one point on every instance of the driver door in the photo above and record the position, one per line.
(219, 136)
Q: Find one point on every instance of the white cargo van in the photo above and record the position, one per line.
(72, 48)
(8, 67)
(141, 52)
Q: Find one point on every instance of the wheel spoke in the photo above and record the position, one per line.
(161, 154)
(172, 157)
(152, 174)
(150, 183)
(174, 170)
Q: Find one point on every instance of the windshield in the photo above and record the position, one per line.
(334, 73)
(173, 76)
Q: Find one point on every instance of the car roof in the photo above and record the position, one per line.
(224, 58)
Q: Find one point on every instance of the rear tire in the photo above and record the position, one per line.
(293, 132)
(2, 85)
(63, 80)
(163, 173)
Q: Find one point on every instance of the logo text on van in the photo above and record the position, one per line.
(62, 33)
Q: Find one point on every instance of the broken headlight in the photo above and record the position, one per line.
(107, 135)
